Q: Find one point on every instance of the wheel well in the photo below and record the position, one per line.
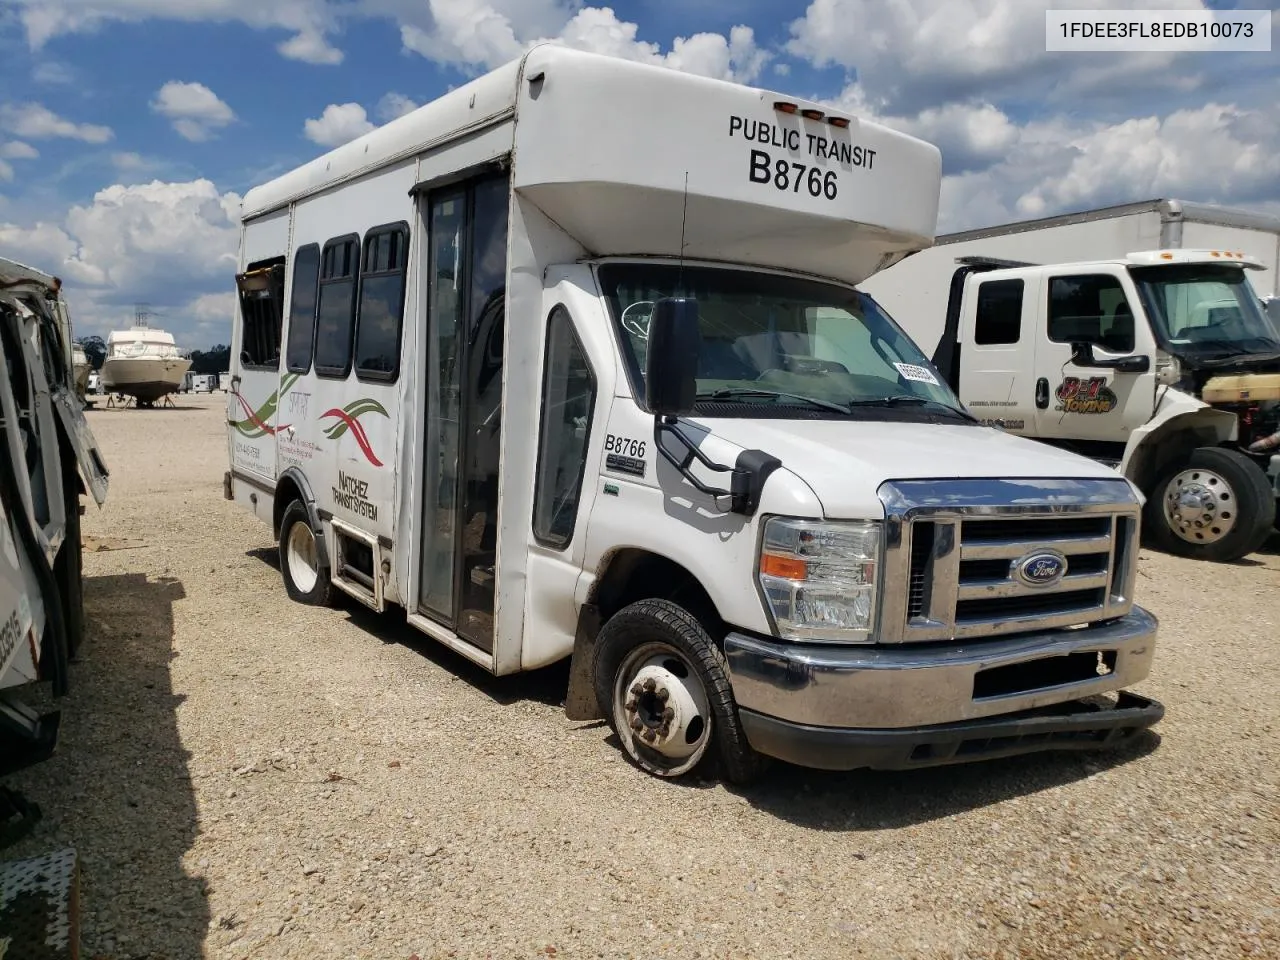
(286, 492)
(633, 574)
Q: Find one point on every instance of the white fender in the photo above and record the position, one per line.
(1177, 414)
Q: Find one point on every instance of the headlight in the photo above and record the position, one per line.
(819, 579)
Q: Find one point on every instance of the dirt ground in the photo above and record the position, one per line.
(245, 777)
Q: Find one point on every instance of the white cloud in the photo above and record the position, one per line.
(38, 122)
(393, 106)
(310, 46)
(6, 171)
(195, 111)
(17, 150)
(340, 123)
(475, 32)
(308, 21)
(128, 161)
(53, 73)
(915, 53)
(167, 244)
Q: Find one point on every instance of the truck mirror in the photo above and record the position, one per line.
(671, 364)
(1082, 356)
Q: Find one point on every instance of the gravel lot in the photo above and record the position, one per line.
(245, 777)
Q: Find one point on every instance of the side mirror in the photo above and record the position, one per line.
(671, 364)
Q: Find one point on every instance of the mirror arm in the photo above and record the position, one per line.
(746, 478)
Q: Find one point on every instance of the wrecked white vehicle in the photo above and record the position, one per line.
(48, 460)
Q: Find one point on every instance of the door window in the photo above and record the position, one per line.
(568, 398)
(1091, 309)
(998, 319)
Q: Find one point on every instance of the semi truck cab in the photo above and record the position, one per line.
(1162, 364)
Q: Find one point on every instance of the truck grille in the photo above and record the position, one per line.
(954, 550)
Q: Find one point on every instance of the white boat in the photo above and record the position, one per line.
(143, 362)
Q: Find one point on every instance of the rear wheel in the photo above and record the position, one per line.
(663, 684)
(305, 578)
(1217, 506)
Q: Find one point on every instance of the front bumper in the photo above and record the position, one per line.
(910, 706)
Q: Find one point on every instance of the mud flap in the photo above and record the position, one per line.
(580, 701)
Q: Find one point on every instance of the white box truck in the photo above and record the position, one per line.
(570, 363)
(1105, 334)
(48, 458)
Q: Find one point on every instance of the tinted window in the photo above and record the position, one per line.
(381, 312)
(999, 314)
(1090, 309)
(302, 308)
(336, 314)
(568, 398)
(261, 289)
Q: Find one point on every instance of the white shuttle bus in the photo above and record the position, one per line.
(569, 363)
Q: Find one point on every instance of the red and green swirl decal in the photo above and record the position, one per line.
(348, 418)
(257, 423)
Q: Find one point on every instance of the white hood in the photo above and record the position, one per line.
(846, 461)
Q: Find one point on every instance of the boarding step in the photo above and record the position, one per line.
(40, 907)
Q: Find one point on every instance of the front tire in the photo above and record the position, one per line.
(1216, 506)
(663, 684)
(306, 579)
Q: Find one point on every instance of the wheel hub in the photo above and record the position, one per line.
(1199, 506)
(662, 714)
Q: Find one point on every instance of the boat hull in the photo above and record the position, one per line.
(145, 378)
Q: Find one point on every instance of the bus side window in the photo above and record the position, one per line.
(302, 308)
(336, 313)
(568, 399)
(380, 313)
(261, 289)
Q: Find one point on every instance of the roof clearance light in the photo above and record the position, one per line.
(785, 107)
(1166, 256)
(812, 114)
(840, 122)
(1214, 253)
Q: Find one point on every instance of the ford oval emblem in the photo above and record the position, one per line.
(1041, 569)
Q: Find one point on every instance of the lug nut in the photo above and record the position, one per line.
(636, 689)
(636, 724)
(668, 714)
(664, 694)
(649, 684)
(632, 704)
(650, 735)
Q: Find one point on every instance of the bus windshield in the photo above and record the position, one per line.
(1208, 309)
(779, 343)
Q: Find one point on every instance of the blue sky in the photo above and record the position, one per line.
(129, 129)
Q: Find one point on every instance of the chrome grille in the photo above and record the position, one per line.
(953, 548)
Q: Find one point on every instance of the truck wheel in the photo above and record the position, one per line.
(305, 578)
(1217, 506)
(664, 687)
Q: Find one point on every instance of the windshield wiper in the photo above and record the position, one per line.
(730, 393)
(903, 399)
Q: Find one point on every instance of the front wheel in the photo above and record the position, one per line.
(664, 686)
(1217, 506)
(305, 578)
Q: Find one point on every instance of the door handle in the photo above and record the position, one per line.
(1042, 393)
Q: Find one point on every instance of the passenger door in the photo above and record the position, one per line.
(998, 352)
(465, 266)
(1092, 403)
